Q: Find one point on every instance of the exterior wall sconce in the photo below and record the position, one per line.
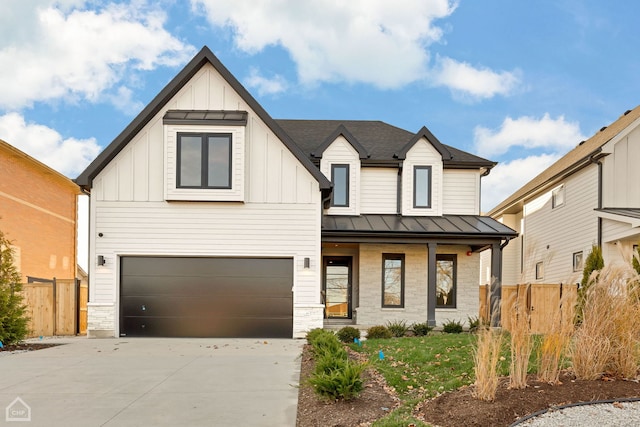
(307, 262)
(101, 260)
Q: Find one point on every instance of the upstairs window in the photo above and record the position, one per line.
(422, 186)
(340, 180)
(557, 197)
(204, 160)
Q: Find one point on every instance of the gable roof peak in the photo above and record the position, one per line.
(341, 130)
(424, 132)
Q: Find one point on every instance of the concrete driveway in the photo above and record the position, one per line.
(153, 382)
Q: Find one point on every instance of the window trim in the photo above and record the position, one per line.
(429, 178)
(347, 182)
(400, 257)
(454, 290)
(559, 190)
(539, 270)
(204, 159)
(578, 266)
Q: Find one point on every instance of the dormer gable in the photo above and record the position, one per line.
(341, 131)
(426, 134)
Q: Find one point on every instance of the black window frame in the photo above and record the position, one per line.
(347, 187)
(393, 257)
(454, 289)
(429, 186)
(539, 270)
(559, 190)
(578, 261)
(204, 159)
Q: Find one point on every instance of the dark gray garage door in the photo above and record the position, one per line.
(206, 297)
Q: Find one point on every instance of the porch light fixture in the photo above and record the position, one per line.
(307, 262)
(101, 260)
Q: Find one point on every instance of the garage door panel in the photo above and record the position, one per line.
(206, 297)
(241, 285)
(149, 306)
(225, 327)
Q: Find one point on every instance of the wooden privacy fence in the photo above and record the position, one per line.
(56, 306)
(546, 304)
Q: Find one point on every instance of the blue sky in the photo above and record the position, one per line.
(520, 83)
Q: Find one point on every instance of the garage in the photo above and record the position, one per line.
(206, 297)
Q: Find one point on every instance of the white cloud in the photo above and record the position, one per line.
(367, 41)
(266, 86)
(555, 135)
(508, 177)
(57, 49)
(68, 156)
(466, 81)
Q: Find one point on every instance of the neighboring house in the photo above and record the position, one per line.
(210, 218)
(588, 197)
(38, 214)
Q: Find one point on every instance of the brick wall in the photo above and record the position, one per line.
(38, 214)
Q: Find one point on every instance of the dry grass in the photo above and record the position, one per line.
(486, 358)
(521, 342)
(607, 338)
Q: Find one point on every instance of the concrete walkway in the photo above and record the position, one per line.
(153, 382)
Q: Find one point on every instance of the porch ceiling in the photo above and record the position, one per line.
(414, 227)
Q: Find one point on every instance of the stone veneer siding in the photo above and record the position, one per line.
(370, 311)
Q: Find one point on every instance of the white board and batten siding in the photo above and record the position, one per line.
(379, 190)
(461, 192)
(278, 217)
(422, 154)
(553, 235)
(621, 173)
(341, 152)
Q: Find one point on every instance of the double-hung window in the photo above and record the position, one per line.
(393, 280)
(446, 280)
(204, 160)
(557, 197)
(422, 186)
(340, 180)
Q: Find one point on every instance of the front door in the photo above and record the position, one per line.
(337, 287)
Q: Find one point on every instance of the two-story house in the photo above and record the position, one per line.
(588, 197)
(210, 218)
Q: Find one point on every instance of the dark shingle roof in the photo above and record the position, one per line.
(382, 141)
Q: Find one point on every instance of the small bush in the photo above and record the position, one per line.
(315, 333)
(474, 323)
(398, 328)
(452, 327)
(344, 383)
(421, 329)
(329, 362)
(13, 315)
(328, 345)
(379, 331)
(348, 334)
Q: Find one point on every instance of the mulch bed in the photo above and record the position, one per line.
(26, 346)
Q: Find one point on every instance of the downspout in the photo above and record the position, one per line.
(599, 163)
(399, 190)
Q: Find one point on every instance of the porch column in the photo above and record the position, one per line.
(431, 284)
(496, 284)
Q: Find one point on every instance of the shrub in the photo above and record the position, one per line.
(329, 362)
(379, 331)
(452, 327)
(592, 265)
(13, 317)
(328, 345)
(421, 329)
(398, 328)
(344, 383)
(486, 357)
(315, 333)
(348, 334)
(474, 323)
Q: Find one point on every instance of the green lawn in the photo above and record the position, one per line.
(421, 367)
